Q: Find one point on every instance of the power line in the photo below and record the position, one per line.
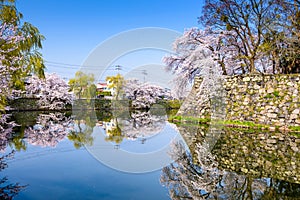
(62, 65)
(118, 68)
(75, 65)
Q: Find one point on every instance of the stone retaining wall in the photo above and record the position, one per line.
(264, 99)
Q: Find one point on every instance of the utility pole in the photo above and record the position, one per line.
(118, 68)
(144, 72)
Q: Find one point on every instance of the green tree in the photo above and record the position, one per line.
(83, 85)
(28, 49)
(117, 84)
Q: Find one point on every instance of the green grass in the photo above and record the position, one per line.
(231, 124)
(226, 123)
(245, 124)
(296, 134)
(268, 96)
(276, 93)
(188, 119)
(295, 128)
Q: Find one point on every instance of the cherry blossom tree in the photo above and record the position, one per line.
(200, 53)
(53, 92)
(205, 54)
(143, 95)
(263, 28)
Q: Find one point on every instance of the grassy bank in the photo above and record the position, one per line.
(234, 124)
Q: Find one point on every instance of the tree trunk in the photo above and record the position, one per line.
(252, 66)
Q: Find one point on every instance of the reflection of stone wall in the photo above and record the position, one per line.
(274, 155)
(256, 154)
(192, 135)
(265, 99)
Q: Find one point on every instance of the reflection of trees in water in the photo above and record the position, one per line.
(114, 132)
(5, 130)
(139, 125)
(142, 124)
(49, 130)
(84, 122)
(8, 190)
(186, 180)
(82, 134)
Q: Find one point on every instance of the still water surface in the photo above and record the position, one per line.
(60, 156)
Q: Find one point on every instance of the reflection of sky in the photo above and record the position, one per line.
(154, 143)
(66, 173)
(137, 160)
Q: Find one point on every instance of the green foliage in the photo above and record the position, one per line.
(274, 94)
(174, 104)
(104, 115)
(83, 85)
(28, 49)
(9, 13)
(104, 93)
(2, 103)
(117, 83)
(24, 104)
(102, 104)
(115, 135)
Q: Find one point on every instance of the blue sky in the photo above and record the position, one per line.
(74, 28)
